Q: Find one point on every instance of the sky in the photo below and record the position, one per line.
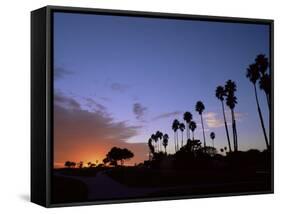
(119, 79)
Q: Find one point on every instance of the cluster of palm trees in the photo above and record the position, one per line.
(226, 94)
(156, 141)
(189, 125)
(257, 72)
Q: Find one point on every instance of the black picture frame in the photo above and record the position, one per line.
(42, 98)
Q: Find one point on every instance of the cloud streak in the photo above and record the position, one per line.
(119, 87)
(215, 120)
(167, 115)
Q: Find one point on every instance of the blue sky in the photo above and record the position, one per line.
(138, 69)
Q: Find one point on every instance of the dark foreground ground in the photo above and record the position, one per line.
(78, 185)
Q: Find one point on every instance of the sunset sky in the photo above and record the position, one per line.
(120, 79)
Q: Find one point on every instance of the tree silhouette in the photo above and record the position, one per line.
(181, 127)
(117, 154)
(213, 136)
(80, 164)
(199, 107)
(231, 101)
(187, 117)
(220, 94)
(265, 80)
(151, 148)
(192, 127)
(175, 127)
(68, 164)
(155, 139)
(253, 75)
(165, 142)
(159, 136)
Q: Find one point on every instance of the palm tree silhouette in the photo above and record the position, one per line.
(151, 148)
(192, 127)
(175, 127)
(182, 127)
(187, 117)
(199, 107)
(220, 94)
(253, 75)
(231, 101)
(265, 83)
(159, 136)
(212, 136)
(155, 139)
(165, 142)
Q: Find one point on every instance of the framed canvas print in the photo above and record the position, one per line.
(138, 106)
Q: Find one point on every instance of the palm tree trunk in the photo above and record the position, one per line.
(182, 139)
(226, 128)
(233, 130)
(175, 142)
(261, 118)
(193, 135)
(187, 131)
(203, 131)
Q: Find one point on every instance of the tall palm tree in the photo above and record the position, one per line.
(175, 127)
(265, 85)
(187, 117)
(165, 142)
(192, 127)
(263, 64)
(199, 107)
(220, 94)
(151, 148)
(155, 139)
(159, 136)
(231, 101)
(182, 127)
(253, 75)
(213, 136)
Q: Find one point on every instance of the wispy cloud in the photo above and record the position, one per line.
(139, 110)
(215, 120)
(93, 104)
(167, 115)
(119, 87)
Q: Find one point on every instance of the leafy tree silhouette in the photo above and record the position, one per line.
(199, 107)
(192, 126)
(253, 75)
(231, 101)
(187, 117)
(67, 164)
(175, 127)
(117, 154)
(220, 94)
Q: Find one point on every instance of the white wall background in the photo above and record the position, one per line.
(15, 105)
